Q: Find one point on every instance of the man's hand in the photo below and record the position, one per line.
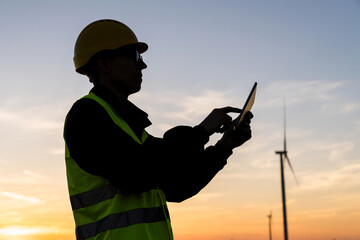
(233, 138)
(219, 120)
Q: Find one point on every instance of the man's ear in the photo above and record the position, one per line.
(103, 65)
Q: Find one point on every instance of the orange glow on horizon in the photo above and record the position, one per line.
(18, 231)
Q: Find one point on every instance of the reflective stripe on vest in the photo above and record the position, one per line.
(123, 219)
(102, 211)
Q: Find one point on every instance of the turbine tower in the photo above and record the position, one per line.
(284, 156)
(270, 216)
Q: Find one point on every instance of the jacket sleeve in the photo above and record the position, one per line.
(194, 166)
(176, 163)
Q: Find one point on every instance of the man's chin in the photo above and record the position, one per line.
(134, 90)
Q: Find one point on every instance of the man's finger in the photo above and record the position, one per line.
(249, 115)
(230, 109)
(227, 123)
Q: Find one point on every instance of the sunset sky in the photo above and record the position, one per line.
(202, 55)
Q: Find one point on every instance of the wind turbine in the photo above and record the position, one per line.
(284, 156)
(270, 216)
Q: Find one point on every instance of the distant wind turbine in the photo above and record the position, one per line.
(283, 156)
(270, 216)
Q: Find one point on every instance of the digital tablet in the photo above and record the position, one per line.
(247, 106)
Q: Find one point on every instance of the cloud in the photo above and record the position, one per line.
(336, 151)
(248, 175)
(296, 92)
(19, 231)
(341, 108)
(15, 230)
(20, 197)
(34, 175)
(26, 120)
(25, 178)
(344, 176)
(191, 107)
(58, 152)
(169, 108)
(322, 213)
(209, 196)
(34, 118)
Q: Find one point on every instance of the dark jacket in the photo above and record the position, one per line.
(178, 163)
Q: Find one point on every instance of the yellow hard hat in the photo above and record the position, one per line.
(105, 34)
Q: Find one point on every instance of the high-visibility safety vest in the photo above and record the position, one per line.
(102, 212)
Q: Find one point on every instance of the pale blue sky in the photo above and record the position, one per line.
(202, 54)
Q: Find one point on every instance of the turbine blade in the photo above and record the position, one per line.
(291, 168)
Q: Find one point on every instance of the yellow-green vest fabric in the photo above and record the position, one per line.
(102, 212)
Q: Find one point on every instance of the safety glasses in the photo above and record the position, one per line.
(138, 57)
(128, 52)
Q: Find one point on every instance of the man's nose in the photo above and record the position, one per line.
(141, 64)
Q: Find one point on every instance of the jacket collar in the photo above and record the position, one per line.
(133, 115)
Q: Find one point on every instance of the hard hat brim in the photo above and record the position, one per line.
(142, 47)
